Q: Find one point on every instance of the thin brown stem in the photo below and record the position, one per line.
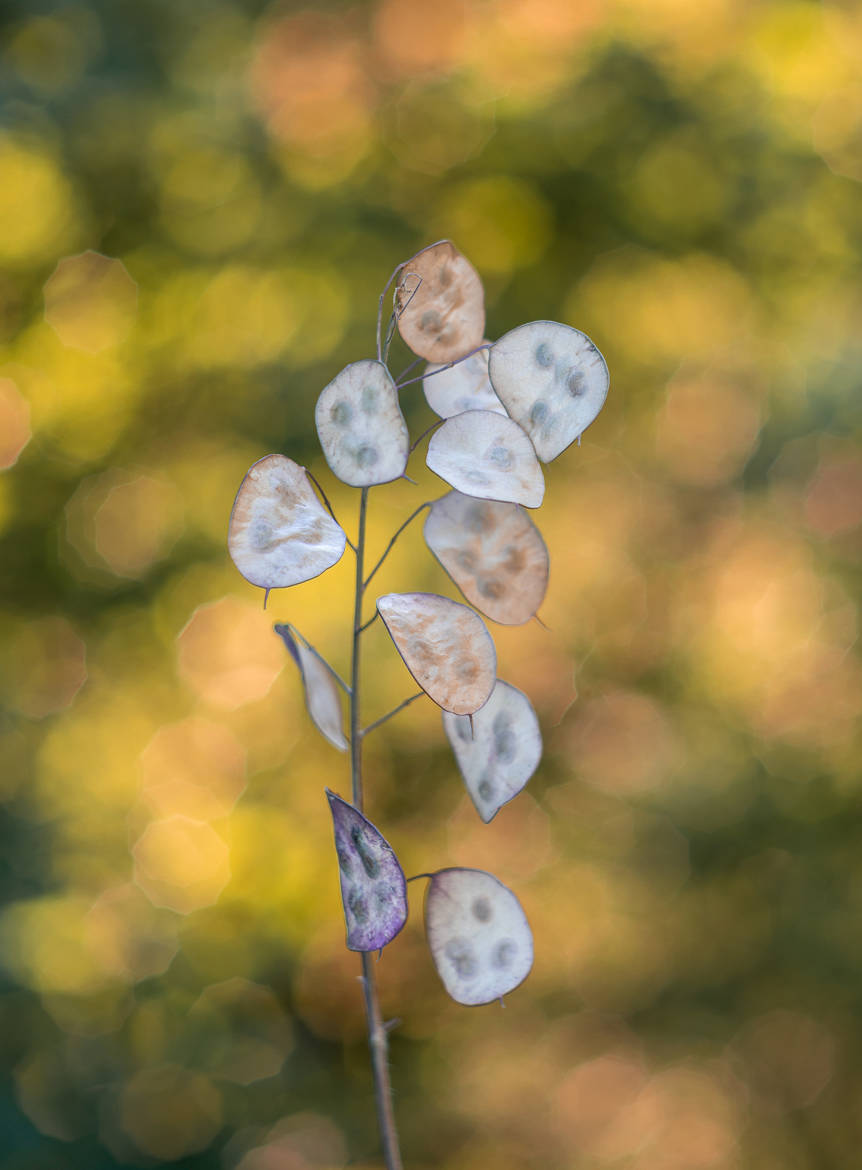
(377, 1038)
(446, 366)
(383, 718)
(398, 532)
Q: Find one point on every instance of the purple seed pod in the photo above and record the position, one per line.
(373, 889)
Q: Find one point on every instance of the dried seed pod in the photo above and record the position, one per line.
(479, 936)
(445, 646)
(493, 552)
(487, 455)
(360, 425)
(373, 889)
(466, 386)
(279, 532)
(552, 380)
(440, 303)
(499, 753)
(321, 688)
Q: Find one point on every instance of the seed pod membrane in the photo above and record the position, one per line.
(465, 386)
(500, 752)
(493, 552)
(321, 689)
(487, 455)
(479, 936)
(360, 425)
(373, 889)
(279, 532)
(440, 303)
(445, 646)
(552, 380)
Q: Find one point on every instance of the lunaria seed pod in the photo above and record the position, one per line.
(279, 532)
(450, 390)
(440, 303)
(487, 455)
(360, 425)
(479, 936)
(373, 888)
(498, 750)
(552, 380)
(444, 645)
(321, 688)
(493, 552)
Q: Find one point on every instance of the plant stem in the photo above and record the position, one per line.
(377, 1038)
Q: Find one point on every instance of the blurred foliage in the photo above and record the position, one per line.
(199, 205)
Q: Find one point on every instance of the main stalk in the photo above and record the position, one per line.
(377, 1038)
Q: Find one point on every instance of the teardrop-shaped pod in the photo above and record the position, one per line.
(552, 380)
(321, 688)
(487, 455)
(373, 889)
(493, 552)
(500, 752)
(279, 532)
(440, 303)
(360, 425)
(445, 646)
(479, 936)
(451, 390)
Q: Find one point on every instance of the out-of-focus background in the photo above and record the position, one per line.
(199, 204)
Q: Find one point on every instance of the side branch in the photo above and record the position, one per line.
(389, 546)
(394, 711)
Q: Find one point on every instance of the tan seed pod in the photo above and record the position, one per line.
(493, 552)
(466, 386)
(489, 456)
(479, 937)
(552, 380)
(444, 645)
(360, 425)
(499, 752)
(440, 303)
(279, 532)
(321, 688)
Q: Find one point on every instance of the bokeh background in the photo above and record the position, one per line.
(199, 204)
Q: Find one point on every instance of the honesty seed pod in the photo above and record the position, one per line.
(440, 303)
(360, 425)
(450, 390)
(321, 688)
(487, 455)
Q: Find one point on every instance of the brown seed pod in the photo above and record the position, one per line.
(493, 552)
(440, 303)
(279, 532)
(444, 645)
(360, 425)
(487, 455)
(552, 380)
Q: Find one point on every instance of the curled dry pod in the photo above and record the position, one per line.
(499, 753)
(321, 688)
(487, 455)
(440, 303)
(360, 425)
(445, 646)
(279, 532)
(451, 390)
(493, 552)
(373, 889)
(552, 380)
(479, 936)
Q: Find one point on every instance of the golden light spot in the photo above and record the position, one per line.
(243, 316)
(833, 504)
(227, 653)
(591, 1105)
(415, 38)
(195, 767)
(170, 1112)
(507, 222)
(90, 301)
(787, 1058)
(837, 131)
(129, 938)
(14, 423)
(624, 743)
(707, 428)
(181, 864)
(38, 213)
(44, 666)
(44, 944)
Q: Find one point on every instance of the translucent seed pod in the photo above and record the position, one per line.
(552, 380)
(444, 645)
(279, 532)
(465, 386)
(322, 698)
(489, 456)
(478, 934)
(493, 552)
(360, 425)
(440, 303)
(499, 753)
(373, 888)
